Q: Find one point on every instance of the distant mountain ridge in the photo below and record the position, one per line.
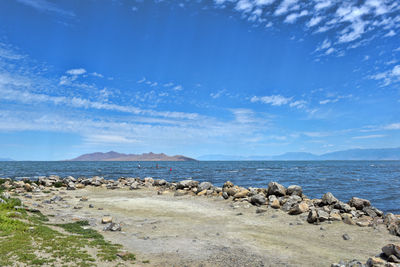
(350, 154)
(6, 159)
(115, 156)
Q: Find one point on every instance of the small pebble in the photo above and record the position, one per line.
(346, 237)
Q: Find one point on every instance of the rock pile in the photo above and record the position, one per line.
(390, 257)
(357, 211)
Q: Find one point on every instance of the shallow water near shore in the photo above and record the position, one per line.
(378, 181)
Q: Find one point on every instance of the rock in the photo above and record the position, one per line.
(56, 198)
(322, 215)
(375, 262)
(225, 195)
(149, 180)
(391, 249)
(84, 198)
(275, 204)
(258, 199)
(329, 199)
(394, 228)
(107, 219)
(187, 184)
(347, 218)
(71, 186)
(370, 212)
(227, 184)
(112, 227)
(377, 211)
(5, 195)
(205, 186)
(231, 191)
(180, 192)
(290, 202)
(390, 218)
(342, 207)
(299, 208)
(202, 193)
(363, 223)
(346, 237)
(91, 206)
(134, 186)
(160, 182)
(28, 187)
(241, 194)
(80, 186)
(294, 190)
(393, 258)
(312, 216)
(359, 203)
(258, 210)
(276, 189)
(335, 217)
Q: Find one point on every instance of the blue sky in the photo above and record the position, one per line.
(238, 77)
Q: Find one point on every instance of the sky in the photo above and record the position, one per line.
(197, 77)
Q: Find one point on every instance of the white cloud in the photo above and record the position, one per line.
(76, 71)
(244, 5)
(393, 126)
(314, 21)
(298, 104)
(388, 76)
(97, 74)
(274, 100)
(109, 139)
(294, 16)
(369, 136)
(349, 21)
(178, 88)
(46, 6)
(390, 34)
(285, 6)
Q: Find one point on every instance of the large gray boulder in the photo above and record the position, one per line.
(391, 249)
(359, 203)
(276, 189)
(205, 186)
(187, 184)
(258, 199)
(294, 190)
(329, 199)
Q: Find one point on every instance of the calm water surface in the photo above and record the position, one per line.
(378, 181)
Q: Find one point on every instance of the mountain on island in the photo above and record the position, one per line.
(350, 154)
(115, 156)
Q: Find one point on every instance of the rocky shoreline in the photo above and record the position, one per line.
(291, 200)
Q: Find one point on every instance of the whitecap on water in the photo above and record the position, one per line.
(232, 171)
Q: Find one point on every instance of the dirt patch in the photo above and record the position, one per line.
(210, 231)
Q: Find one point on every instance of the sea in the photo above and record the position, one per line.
(377, 181)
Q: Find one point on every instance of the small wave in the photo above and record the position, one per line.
(232, 171)
(264, 169)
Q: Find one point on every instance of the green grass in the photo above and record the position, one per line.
(58, 184)
(33, 242)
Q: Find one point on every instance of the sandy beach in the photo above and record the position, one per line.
(187, 230)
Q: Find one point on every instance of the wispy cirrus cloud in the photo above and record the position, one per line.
(389, 76)
(349, 22)
(46, 6)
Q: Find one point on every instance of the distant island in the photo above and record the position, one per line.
(351, 154)
(115, 156)
(6, 159)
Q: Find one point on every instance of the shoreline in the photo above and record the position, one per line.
(287, 206)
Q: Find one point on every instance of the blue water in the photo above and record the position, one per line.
(378, 181)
